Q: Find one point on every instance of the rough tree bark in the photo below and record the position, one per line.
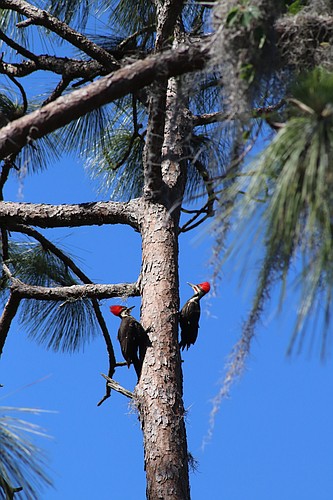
(159, 393)
(160, 390)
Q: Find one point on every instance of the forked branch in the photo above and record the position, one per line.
(42, 18)
(117, 387)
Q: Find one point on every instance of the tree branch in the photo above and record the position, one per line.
(207, 118)
(167, 14)
(220, 116)
(62, 85)
(48, 245)
(74, 292)
(117, 387)
(208, 209)
(127, 79)
(42, 18)
(206, 212)
(83, 214)
(17, 47)
(8, 314)
(71, 68)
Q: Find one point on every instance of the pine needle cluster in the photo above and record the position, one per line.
(293, 179)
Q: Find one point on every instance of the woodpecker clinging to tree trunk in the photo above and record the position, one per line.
(132, 337)
(190, 314)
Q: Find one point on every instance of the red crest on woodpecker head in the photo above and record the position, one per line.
(205, 286)
(116, 310)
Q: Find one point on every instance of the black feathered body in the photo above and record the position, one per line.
(189, 322)
(131, 336)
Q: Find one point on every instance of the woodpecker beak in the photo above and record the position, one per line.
(129, 309)
(194, 287)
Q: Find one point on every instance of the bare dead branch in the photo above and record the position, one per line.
(193, 222)
(8, 489)
(74, 292)
(83, 214)
(126, 41)
(206, 211)
(117, 387)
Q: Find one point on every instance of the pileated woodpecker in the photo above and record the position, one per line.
(131, 336)
(190, 314)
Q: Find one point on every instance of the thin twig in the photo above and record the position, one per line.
(62, 85)
(133, 36)
(23, 94)
(18, 48)
(220, 116)
(207, 209)
(117, 387)
(8, 314)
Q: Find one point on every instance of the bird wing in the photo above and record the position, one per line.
(190, 314)
(128, 339)
(189, 323)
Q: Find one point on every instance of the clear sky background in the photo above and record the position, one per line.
(272, 438)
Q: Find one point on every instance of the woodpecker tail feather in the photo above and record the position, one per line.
(137, 363)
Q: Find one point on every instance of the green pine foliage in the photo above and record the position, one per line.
(294, 181)
(65, 326)
(23, 464)
(118, 167)
(61, 326)
(72, 12)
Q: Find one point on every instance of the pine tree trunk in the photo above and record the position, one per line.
(159, 392)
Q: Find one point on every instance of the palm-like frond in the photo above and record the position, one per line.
(22, 464)
(294, 176)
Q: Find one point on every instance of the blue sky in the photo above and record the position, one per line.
(272, 438)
